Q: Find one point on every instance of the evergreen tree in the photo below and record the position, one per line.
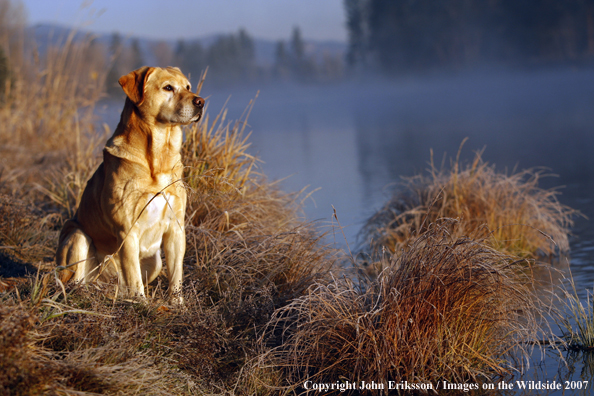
(355, 10)
(297, 45)
(163, 54)
(180, 53)
(298, 64)
(194, 59)
(408, 35)
(223, 56)
(247, 51)
(232, 57)
(136, 54)
(4, 73)
(282, 60)
(115, 70)
(115, 45)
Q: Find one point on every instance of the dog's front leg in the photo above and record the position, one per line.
(174, 246)
(129, 260)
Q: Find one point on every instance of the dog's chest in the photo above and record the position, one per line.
(159, 206)
(156, 218)
(156, 210)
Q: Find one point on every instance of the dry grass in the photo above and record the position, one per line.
(250, 265)
(243, 234)
(447, 308)
(248, 253)
(250, 259)
(24, 230)
(49, 136)
(57, 355)
(576, 320)
(52, 348)
(510, 211)
(88, 342)
(226, 193)
(49, 127)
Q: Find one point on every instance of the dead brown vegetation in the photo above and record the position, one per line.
(47, 109)
(248, 253)
(448, 308)
(510, 211)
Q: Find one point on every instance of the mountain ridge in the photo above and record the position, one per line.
(46, 34)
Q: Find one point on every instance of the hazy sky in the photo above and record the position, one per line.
(270, 19)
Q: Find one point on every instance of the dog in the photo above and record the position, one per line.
(134, 204)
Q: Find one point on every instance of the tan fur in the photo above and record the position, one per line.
(134, 204)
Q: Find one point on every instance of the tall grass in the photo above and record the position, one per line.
(49, 135)
(25, 231)
(49, 127)
(448, 308)
(243, 233)
(576, 320)
(48, 347)
(248, 252)
(510, 211)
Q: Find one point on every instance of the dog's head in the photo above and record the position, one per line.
(162, 95)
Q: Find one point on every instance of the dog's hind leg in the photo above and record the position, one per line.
(76, 254)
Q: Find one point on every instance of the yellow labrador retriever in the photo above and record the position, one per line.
(134, 204)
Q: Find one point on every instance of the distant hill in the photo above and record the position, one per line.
(50, 34)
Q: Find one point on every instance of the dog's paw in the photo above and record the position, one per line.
(176, 298)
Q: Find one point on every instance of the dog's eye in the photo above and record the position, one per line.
(168, 88)
(188, 87)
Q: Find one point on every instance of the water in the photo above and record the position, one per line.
(355, 140)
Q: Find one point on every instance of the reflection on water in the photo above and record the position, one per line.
(354, 141)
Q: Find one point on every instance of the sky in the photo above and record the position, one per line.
(173, 19)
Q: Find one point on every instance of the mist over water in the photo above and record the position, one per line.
(355, 140)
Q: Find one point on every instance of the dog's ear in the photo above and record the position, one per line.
(133, 84)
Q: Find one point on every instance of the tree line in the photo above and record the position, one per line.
(230, 58)
(407, 35)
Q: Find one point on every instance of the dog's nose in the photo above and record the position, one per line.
(198, 102)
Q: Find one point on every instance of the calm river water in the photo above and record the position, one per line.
(355, 140)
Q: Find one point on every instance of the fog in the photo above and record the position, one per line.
(355, 140)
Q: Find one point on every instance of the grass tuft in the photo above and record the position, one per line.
(447, 308)
(26, 233)
(243, 234)
(511, 212)
(30, 366)
(576, 320)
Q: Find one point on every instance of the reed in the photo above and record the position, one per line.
(576, 318)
